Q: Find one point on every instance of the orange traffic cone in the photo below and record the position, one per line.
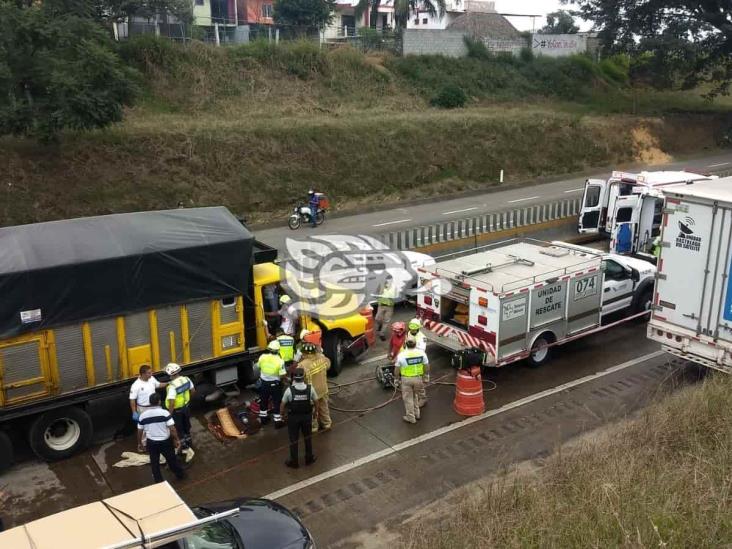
(469, 392)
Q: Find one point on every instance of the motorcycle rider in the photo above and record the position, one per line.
(313, 202)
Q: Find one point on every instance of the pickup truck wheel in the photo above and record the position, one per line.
(540, 351)
(6, 451)
(643, 303)
(333, 349)
(58, 434)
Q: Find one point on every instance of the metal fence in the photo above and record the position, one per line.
(447, 231)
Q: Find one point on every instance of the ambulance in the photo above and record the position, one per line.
(518, 299)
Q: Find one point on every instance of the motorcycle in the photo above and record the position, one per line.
(301, 213)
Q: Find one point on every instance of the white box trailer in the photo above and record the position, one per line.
(517, 298)
(692, 312)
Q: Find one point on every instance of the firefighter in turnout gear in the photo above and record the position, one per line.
(178, 397)
(315, 365)
(271, 374)
(412, 372)
(297, 406)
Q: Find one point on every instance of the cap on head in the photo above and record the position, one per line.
(274, 346)
(299, 374)
(285, 299)
(311, 191)
(308, 347)
(172, 369)
(415, 324)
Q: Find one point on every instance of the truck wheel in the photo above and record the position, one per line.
(643, 303)
(6, 451)
(540, 350)
(58, 434)
(333, 349)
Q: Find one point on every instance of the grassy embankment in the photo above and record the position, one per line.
(253, 127)
(662, 479)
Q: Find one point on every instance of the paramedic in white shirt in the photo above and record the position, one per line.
(140, 392)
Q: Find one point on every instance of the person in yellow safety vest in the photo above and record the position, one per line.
(287, 348)
(411, 372)
(315, 364)
(656, 247)
(178, 398)
(414, 333)
(386, 301)
(271, 373)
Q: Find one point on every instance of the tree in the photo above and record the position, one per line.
(690, 38)
(304, 15)
(560, 22)
(57, 71)
(403, 9)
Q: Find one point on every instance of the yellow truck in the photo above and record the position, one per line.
(85, 302)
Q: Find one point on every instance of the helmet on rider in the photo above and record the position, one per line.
(311, 192)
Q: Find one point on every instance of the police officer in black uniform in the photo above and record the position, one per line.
(297, 406)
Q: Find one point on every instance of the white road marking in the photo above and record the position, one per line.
(574, 190)
(455, 426)
(523, 199)
(391, 222)
(717, 165)
(460, 211)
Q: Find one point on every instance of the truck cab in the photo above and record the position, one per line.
(343, 338)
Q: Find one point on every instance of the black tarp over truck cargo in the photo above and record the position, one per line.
(68, 271)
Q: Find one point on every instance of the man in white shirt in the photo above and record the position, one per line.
(158, 426)
(288, 315)
(140, 392)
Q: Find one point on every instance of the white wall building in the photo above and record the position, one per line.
(453, 9)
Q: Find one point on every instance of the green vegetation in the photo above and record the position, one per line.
(451, 96)
(253, 126)
(660, 480)
(58, 70)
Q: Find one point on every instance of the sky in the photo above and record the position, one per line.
(534, 7)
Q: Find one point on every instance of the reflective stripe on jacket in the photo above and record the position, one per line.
(414, 366)
(287, 347)
(182, 387)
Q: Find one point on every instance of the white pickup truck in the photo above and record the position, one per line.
(516, 299)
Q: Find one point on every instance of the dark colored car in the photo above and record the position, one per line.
(260, 524)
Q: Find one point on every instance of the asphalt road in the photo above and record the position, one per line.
(372, 466)
(448, 209)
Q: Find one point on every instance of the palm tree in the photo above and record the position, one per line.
(402, 9)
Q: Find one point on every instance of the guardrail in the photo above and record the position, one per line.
(446, 231)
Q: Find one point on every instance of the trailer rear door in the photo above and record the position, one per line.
(693, 285)
(24, 369)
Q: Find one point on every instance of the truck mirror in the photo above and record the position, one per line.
(634, 275)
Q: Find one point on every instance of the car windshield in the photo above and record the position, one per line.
(215, 535)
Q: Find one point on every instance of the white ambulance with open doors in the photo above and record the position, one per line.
(516, 299)
(628, 202)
